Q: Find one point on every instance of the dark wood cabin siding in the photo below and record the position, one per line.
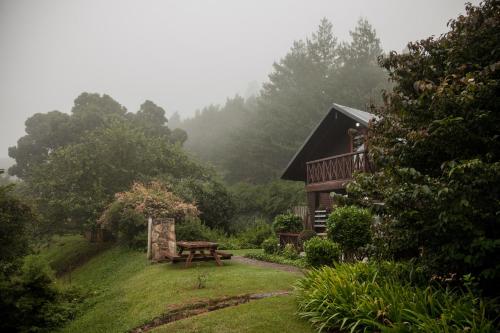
(330, 138)
(325, 201)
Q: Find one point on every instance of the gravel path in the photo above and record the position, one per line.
(266, 264)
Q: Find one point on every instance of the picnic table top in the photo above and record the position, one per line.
(197, 245)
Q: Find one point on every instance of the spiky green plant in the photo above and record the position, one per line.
(358, 298)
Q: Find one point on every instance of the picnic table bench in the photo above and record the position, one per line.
(198, 251)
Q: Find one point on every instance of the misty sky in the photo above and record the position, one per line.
(182, 55)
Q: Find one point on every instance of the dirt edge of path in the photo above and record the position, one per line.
(175, 313)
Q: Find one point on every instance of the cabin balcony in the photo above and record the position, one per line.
(334, 172)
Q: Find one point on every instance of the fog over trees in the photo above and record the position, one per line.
(253, 140)
(182, 55)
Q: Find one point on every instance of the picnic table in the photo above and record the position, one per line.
(199, 251)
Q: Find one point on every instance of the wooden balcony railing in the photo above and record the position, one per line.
(339, 167)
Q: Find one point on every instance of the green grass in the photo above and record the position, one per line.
(69, 251)
(270, 315)
(126, 291)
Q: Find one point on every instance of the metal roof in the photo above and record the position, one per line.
(360, 116)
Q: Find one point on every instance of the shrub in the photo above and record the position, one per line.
(306, 235)
(230, 243)
(287, 223)
(349, 226)
(270, 245)
(290, 252)
(320, 251)
(357, 297)
(192, 229)
(15, 219)
(255, 234)
(31, 302)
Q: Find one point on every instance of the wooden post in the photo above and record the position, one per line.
(311, 203)
(150, 228)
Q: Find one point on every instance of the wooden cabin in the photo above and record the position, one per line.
(328, 158)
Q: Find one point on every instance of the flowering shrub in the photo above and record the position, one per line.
(127, 215)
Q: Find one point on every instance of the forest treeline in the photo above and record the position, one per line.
(252, 140)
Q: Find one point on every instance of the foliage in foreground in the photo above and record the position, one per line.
(15, 220)
(437, 151)
(31, 302)
(29, 299)
(368, 297)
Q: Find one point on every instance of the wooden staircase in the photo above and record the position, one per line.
(319, 224)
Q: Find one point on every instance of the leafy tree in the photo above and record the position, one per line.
(151, 118)
(29, 299)
(437, 150)
(72, 165)
(79, 180)
(215, 203)
(360, 78)
(50, 131)
(209, 131)
(45, 133)
(15, 220)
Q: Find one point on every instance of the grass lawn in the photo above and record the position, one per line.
(270, 315)
(127, 291)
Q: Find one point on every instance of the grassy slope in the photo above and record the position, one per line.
(69, 251)
(128, 291)
(270, 315)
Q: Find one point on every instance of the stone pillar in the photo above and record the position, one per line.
(162, 238)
